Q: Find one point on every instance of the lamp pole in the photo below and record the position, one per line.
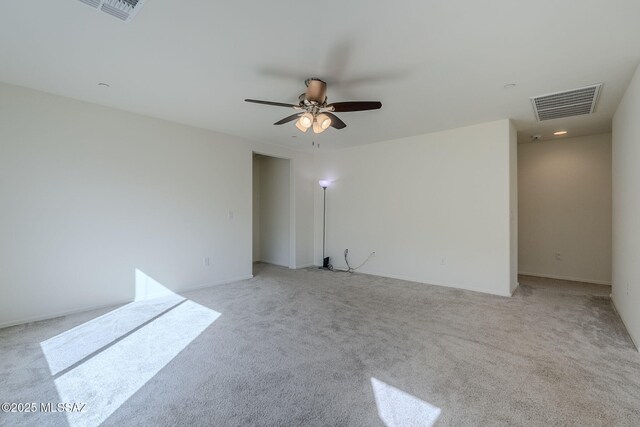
(324, 184)
(324, 225)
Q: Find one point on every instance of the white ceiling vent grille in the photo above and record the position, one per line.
(574, 102)
(121, 9)
(92, 3)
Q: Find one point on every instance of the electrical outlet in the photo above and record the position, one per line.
(230, 215)
(558, 256)
(206, 261)
(443, 261)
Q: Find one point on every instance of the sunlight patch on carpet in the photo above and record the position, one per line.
(104, 361)
(399, 409)
(105, 381)
(70, 347)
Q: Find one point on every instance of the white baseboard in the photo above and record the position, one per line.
(635, 342)
(272, 263)
(114, 303)
(410, 279)
(60, 314)
(573, 279)
(216, 283)
(298, 267)
(513, 291)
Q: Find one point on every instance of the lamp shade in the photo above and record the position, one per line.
(324, 183)
(301, 127)
(317, 128)
(306, 120)
(323, 120)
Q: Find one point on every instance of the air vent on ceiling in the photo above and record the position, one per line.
(566, 104)
(121, 9)
(92, 3)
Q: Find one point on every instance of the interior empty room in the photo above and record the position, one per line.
(418, 213)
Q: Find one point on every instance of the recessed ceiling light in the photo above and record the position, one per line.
(509, 85)
(104, 84)
(560, 132)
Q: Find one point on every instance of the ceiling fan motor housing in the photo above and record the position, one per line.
(316, 91)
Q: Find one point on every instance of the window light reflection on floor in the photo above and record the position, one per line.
(103, 362)
(399, 409)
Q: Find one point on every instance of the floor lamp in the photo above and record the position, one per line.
(324, 184)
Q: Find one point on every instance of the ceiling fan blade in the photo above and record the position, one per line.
(341, 107)
(288, 119)
(336, 122)
(277, 104)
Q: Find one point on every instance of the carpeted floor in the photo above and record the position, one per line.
(310, 347)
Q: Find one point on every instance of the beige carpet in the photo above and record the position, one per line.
(311, 347)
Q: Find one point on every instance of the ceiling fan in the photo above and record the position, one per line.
(314, 112)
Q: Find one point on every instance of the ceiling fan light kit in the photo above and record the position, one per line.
(300, 127)
(317, 114)
(306, 120)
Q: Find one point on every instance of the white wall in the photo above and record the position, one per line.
(513, 207)
(435, 208)
(90, 194)
(626, 209)
(256, 208)
(273, 214)
(565, 208)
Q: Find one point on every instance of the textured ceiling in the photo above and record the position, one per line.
(434, 65)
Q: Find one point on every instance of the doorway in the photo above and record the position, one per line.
(565, 205)
(271, 210)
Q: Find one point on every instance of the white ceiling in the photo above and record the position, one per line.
(434, 64)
